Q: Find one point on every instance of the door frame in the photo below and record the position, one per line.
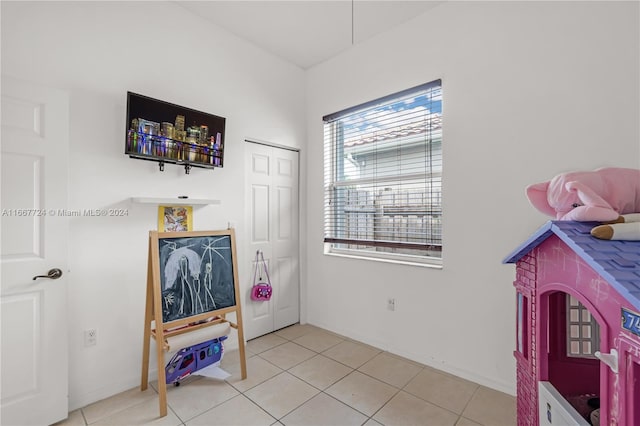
(629, 365)
(274, 145)
(542, 331)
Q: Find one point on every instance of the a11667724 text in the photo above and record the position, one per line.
(65, 212)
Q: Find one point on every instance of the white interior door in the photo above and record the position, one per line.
(272, 208)
(34, 363)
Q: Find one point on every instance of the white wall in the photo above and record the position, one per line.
(530, 89)
(97, 51)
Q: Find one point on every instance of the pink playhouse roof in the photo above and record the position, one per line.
(616, 261)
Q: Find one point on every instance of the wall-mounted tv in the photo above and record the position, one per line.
(168, 133)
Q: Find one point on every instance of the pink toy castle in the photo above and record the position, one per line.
(578, 328)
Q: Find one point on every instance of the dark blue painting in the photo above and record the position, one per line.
(196, 275)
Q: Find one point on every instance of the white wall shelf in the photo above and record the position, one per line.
(175, 201)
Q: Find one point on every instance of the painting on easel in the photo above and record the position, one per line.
(196, 275)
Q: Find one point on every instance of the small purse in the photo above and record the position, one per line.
(261, 290)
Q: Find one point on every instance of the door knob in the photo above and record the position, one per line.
(53, 274)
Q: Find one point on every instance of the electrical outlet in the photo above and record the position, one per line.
(391, 304)
(90, 337)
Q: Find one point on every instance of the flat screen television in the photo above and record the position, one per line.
(168, 133)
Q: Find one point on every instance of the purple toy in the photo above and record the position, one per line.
(193, 358)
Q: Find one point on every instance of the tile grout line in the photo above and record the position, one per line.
(259, 406)
(286, 414)
(197, 415)
(384, 405)
(398, 389)
(419, 397)
(347, 405)
(113, 413)
(319, 391)
(469, 402)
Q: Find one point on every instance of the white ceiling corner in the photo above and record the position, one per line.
(307, 32)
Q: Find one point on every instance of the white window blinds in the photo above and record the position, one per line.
(383, 176)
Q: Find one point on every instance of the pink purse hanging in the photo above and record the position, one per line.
(261, 290)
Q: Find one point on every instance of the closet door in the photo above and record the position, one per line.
(272, 227)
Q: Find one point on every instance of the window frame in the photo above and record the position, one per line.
(522, 324)
(334, 180)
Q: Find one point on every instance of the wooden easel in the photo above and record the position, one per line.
(160, 331)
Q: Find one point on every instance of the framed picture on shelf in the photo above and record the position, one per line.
(175, 218)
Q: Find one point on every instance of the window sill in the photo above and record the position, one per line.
(425, 264)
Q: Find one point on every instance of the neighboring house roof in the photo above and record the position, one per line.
(430, 124)
(616, 261)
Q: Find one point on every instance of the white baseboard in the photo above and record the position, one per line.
(80, 401)
(438, 364)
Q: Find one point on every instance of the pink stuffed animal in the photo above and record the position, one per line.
(605, 195)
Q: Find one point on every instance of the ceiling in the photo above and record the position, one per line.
(308, 32)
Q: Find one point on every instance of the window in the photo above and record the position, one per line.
(383, 177)
(583, 332)
(522, 332)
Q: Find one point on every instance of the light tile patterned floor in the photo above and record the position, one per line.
(303, 375)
